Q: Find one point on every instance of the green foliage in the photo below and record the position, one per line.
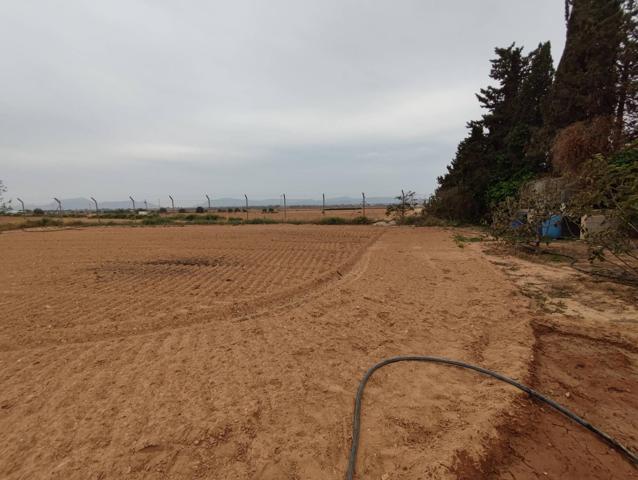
(498, 192)
(260, 221)
(38, 211)
(461, 240)
(43, 222)
(626, 156)
(333, 221)
(626, 128)
(199, 210)
(205, 219)
(504, 148)
(537, 119)
(118, 213)
(585, 85)
(157, 220)
(361, 220)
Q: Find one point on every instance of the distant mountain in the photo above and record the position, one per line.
(82, 203)
(87, 204)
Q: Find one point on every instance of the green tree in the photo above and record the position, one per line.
(496, 157)
(500, 101)
(626, 121)
(527, 144)
(586, 77)
(460, 192)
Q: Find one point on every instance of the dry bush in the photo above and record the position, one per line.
(579, 142)
(610, 186)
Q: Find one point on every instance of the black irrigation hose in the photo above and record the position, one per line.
(356, 422)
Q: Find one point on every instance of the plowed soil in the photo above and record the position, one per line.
(235, 352)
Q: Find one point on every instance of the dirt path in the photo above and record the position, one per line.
(128, 353)
(586, 357)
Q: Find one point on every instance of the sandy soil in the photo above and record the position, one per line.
(235, 352)
(586, 357)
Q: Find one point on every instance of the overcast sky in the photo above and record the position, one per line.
(146, 98)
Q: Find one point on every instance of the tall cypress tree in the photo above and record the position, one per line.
(536, 85)
(626, 122)
(585, 84)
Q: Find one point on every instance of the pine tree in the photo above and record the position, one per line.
(508, 69)
(505, 139)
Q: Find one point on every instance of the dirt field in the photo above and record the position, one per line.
(227, 352)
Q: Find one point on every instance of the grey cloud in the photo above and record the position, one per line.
(112, 98)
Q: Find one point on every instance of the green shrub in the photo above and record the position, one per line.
(333, 221)
(204, 220)
(461, 240)
(260, 221)
(361, 220)
(43, 222)
(423, 220)
(157, 220)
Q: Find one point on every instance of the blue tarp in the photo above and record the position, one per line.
(552, 228)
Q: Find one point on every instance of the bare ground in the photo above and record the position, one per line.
(235, 352)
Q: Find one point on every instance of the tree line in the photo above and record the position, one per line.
(541, 121)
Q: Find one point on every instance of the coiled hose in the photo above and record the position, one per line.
(356, 421)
